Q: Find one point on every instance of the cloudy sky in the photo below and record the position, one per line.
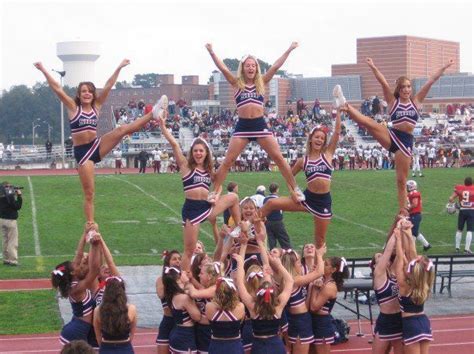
(169, 36)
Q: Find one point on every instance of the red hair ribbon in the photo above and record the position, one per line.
(266, 293)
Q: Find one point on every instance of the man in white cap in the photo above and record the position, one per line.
(259, 196)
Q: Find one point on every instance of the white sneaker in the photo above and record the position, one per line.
(160, 107)
(299, 194)
(235, 232)
(339, 99)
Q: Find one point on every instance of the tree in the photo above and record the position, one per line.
(145, 80)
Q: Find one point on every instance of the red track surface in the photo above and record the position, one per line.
(25, 284)
(452, 334)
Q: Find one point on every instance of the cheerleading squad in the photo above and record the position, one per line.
(243, 298)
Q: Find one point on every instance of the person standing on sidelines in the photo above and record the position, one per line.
(415, 207)
(276, 230)
(165, 161)
(259, 196)
(465, 195)
(416, 161)
(118, 160)
(10, 202)
(156, 160)
(431, 156)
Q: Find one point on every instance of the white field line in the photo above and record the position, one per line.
(360, 225)
(159, 201)
(33, 219)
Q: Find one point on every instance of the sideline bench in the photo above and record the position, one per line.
(452, 261)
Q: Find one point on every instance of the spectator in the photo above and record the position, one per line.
(118, 160)
(276, 230)
(142, 160)
(156, 160)
(165, 160)
(49, 148)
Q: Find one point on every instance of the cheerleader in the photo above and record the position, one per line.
(197, 174)
(184, 310)
(226, 314)
(265, 308)
(318, 169)
(115, 321)
(415, 279)
(322, 297)
(171, 259)
(388, 327)
(300, 332)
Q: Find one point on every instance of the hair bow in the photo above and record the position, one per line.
(342, 264)
(164, 254)
(289, 250)
(252, 275)
(228, 281)
(413, 262)
(251, 257)
(57, 272)
(217, 267)
(266, 293)
(168, 269)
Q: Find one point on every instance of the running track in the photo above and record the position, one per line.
(452, 334)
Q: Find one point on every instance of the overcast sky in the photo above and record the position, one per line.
(169, 36)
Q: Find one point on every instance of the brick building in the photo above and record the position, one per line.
(397, 56)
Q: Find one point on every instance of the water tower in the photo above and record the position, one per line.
(78, 59)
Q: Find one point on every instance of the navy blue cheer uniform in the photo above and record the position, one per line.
(388, 326)
(78, 329)
(323, 328)
(318, 204)
(265, 336)
(416, 328)
(166, 326)
(250, 128)
(402, 113)
(182, 338)
(196, 211)
(225, 334)
(116, 343)
(82, 122)
(203, 331)
(299, 325)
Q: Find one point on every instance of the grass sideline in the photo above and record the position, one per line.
(140, 215)
(30, 311)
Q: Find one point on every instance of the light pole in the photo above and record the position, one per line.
(49, 129)
(34, 126)
(62, 74)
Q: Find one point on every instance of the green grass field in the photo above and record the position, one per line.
(140, 215)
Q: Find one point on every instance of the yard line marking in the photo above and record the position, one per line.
(159, 201)
(154, 251)
(374, 245)
(33, 219)
(358, 224)
(116, 252)
(125, 222)
(339, 246)
(152, 219)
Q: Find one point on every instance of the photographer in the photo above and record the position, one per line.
(10, 203)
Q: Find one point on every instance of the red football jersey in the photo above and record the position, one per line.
(414, 196)
(465, 195)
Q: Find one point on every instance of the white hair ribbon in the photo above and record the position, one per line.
(343, 264)
(252, 275)
(217, 267)
(228, 281)
(58, 272)
(168, 269)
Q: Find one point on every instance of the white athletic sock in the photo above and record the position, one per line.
(468, 241)
(458, 238)
(422, 239)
